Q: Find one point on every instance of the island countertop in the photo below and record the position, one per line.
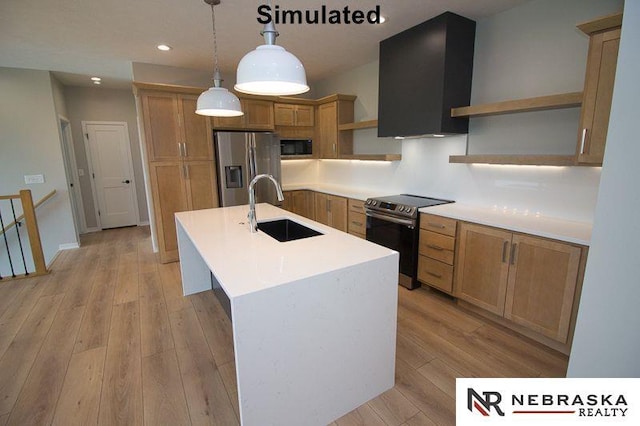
(245, 262)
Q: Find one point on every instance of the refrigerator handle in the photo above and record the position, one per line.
(251, 154)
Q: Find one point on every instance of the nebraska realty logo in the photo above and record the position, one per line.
(554, 401)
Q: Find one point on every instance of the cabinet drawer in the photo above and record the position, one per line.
(357, 223)
(439, 224)
(356, 206)
(437, 246)
(435, 273)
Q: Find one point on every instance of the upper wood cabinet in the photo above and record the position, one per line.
(334, 111)
(195, 130)
(172, 128)
(180, 158)
(604, 41)
(293, 115)
(258, 115)
(531, 281)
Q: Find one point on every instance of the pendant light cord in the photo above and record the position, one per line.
(215, 42)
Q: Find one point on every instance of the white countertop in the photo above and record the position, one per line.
(245, 262)
(525, 222)
(342, 191)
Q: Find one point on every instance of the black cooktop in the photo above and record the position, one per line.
(411, 200)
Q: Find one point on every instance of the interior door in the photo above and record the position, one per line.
(110, 159)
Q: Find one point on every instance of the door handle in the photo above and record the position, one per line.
(127, 181)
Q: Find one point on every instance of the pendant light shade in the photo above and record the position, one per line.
(217, 101)
(270, 69)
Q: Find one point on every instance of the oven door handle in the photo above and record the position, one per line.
(406, 222)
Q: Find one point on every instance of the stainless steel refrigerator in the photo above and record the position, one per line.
(240, 157)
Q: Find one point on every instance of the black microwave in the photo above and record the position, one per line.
(295, 147)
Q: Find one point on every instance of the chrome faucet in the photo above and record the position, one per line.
(252, 199)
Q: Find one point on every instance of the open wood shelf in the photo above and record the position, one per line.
(369, 124)
(603, 23)
(372, 157)
(533, 160)
(563, 100)
(297, 157)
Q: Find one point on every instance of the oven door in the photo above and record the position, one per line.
(398, 234)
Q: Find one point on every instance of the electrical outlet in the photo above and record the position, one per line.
(80, 172)
(29, 179)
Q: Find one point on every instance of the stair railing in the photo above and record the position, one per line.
(33, 233)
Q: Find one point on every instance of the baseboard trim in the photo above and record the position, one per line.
(94, 229)
(68, 246)
(145, 223)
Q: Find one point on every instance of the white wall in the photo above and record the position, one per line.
(100, 104)
(511, 60)
(607, 337)
(30, 144)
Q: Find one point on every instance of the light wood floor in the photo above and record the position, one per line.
(107, 338)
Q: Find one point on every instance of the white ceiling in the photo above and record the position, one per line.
(80, 38)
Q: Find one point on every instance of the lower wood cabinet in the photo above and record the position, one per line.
(357, 220)
(331, 210)
(179, 186)
(300, 202)
(436, 251)
(528, 280)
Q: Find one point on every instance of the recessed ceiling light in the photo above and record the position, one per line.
(97, 82)
(95, 79)
(163, 47)
(438, 136)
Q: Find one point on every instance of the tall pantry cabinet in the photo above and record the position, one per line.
(179, 158)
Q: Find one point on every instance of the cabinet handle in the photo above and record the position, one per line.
(513, 253)
(434, 274)
(328, 205)
(504, 251)
(583, 140)
(435, 225)
(435, 247)
(185, 171)
(334, 148)
(184, 148)
(180, 149)
(357, 223)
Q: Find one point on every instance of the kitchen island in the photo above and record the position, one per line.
(314, 320)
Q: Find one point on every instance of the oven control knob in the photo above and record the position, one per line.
(409, 210)
(374, 202)
(401, 208)
(368, 202)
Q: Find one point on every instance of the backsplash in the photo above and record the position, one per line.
(564, 192)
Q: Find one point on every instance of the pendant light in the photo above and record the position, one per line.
(270, 69)
(217, 101)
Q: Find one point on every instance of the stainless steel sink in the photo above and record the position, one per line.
(286, 230)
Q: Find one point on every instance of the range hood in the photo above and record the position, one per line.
(424, 72)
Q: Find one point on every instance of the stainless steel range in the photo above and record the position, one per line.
(394, 222)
